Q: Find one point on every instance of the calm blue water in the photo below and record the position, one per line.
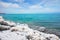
(46, 20)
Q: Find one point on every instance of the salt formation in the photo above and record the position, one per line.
(42, 29)
(22, 32)
(34, 34)
(1, 19)
(7, 23)
(3, 27)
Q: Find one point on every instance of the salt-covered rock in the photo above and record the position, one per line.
(3, 23)
(10, 23)
(7, 23)
(30, 34)
(34, 34)
(42, 29)
(11, 36)
(21, 27)
(3, 27)
(1, 19)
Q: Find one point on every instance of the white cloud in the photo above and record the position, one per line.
(48, 6)
(15, 5)
(40, 9)
(35, 7)
(19, 1)
(9, 5)
(51, 3)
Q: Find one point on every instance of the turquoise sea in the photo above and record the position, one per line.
(51, 21)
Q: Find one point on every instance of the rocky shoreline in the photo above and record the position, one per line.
(16, 31)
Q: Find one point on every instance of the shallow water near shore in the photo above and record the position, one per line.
(51, 21)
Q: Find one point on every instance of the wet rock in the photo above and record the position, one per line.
(50, 31)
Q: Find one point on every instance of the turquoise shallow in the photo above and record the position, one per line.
(46, 20)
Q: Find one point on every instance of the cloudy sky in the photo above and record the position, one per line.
(29, 6)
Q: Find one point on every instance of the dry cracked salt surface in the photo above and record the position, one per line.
(15, 31)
